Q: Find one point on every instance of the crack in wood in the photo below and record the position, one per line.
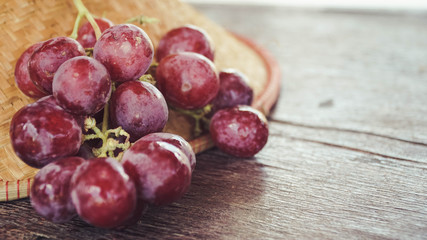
(359, 150)
(345, 130)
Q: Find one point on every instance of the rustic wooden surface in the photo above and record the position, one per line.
(347, 153)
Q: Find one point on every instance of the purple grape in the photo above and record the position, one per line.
(46, 60)
(233, 90)
(41, 133)
(161, 172)
(22, 76)
(82, 86)
(175, 140)
(102, 193)
(241, 131)
(187, 80)
(187, 38)
(139, 108)
(125, 50)
(86, 35)
(50, 191)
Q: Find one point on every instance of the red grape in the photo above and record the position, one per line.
(42, 132)
(102, 193)
(22, 76)
(125, 50)
(187, 80)
(50, 191)
(241, 131)
(175, 140)
(82, 86)
(139, 108)
(86, 35)
(187, 38)
(161, 172)
(233, 90)
(46, 60)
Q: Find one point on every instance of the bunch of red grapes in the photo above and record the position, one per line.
(131, 163)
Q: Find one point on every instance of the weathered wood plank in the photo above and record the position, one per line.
(292, 188)
(364, 71)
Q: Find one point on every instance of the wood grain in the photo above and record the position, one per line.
(347, 153)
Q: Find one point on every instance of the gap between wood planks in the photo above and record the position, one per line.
(419, 155)
(345, 130)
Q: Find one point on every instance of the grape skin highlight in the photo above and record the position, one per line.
(50, 195)
(125, 50)
(42, 132)
(82, 86)
(187, 80)
(139, 108)
(46, 60)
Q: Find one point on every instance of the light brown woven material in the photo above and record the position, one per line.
(25, 22)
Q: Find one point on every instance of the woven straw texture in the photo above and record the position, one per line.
(25, 22)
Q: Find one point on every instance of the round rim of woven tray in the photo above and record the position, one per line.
(264, 102)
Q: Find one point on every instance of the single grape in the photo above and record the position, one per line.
(42, 132)
(187, 80)
(46, 60)
(102, 193)
(187, 38)
(50, 191)
(82, 86)
(22, 76)
(125, 50)
(139, 108)
(161, 171)
(234, 90)
(175, 140)
(86, 35)
(241, 131)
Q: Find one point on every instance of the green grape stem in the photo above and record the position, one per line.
(109, 143)
(142, 19)
(199, 116)
(84, 12)
(147, 78)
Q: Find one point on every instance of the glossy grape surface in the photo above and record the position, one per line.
(86, 35)
(188, 38)
(46, 60)
(161, 172)
(52, 100)
(139, 108)
(102, 193)
(233, 90)
(82, 86)
(241, 131)
(22, 76)
(42, 132)
(125, 50)
(50, 191)
(187, 80)
(175, 140)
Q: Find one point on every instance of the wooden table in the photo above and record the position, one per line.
(347, 153)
